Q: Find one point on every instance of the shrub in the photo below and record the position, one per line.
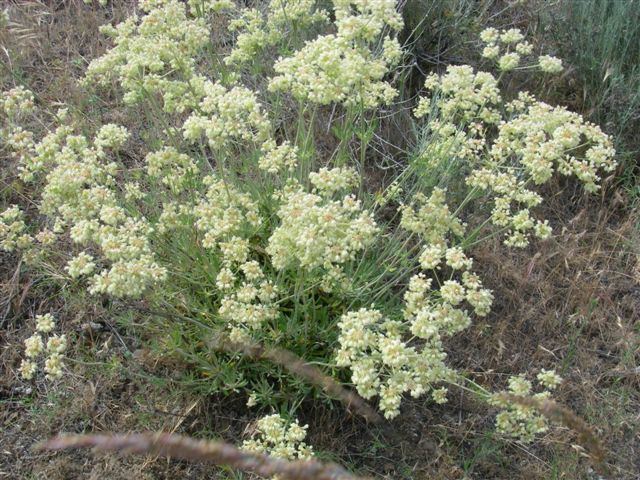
(237, 221)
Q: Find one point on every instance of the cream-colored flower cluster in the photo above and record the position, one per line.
(133, 266)
(35, 158)
(154, 54)
(549, 64)
(257, 31)
(383, 363)
(547, 139)
(434, 313)
(19, 140)
(226, 215)
(331, 70)
(172, 168)
(227, 115)
(510, 153)
(254, 35)
(346, 67)
(204, 7)
(278, 158)
(430, 218)
(366, 19)
(247, 295)
(175, 216)
(462, 96)
(248, 300)
(77, 184)
(521, 421)
(328, 181)
(14, 235)
(35, 346)
(316, 231)
(391, 357)
(228, 219)
(276, 436)
(13, 230)
(81, 193)
(80, 265)
(15, 105)
(435, 224)
(461, 106)
(508, 47)
(17, 102)
(512, 203)
(528, 150)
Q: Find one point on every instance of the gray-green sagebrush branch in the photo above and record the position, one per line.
(186, 448)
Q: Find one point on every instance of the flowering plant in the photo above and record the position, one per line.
(235, 221)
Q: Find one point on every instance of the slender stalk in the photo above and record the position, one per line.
(186, 448)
